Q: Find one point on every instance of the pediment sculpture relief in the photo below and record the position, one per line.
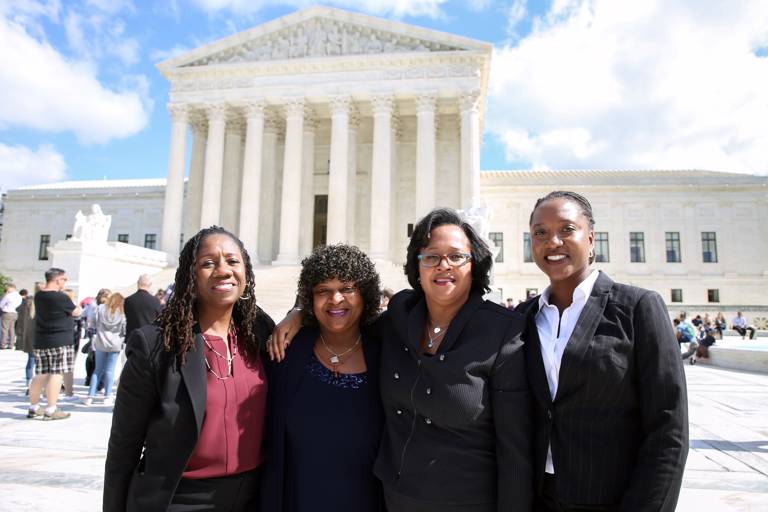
(321, 38)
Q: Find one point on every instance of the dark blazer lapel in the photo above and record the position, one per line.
(461, 319)
(536, 374)
(584, 332)
(416, 318)
(195, 379)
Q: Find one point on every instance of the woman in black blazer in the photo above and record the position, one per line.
(610, 405)
(189, 416)
(457, 431)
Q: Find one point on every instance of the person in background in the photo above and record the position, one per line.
(8, 304)
(25, 334)
(510, 303)
(334, 366)
(386, 294)
(141, 307)
(109, 324)
(69, 377)
(610, 408)
(90, 361)
(740, 325)
(189, 418)
(160, 296)
(721, 324)
(54, 328)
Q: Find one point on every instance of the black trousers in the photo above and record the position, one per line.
(548, 502)
(235, 493)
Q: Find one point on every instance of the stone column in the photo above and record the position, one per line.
(381, 177)
(214, 161)
(425, 154)
(250, 186)
(174, 188)
(469, 105)
(268, 190)
(338, 179)
(232, 175)
(354, 126)
(195, 183)
(307, 223)
(290, 205)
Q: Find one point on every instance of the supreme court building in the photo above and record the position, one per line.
(310, 129)
(330, 126)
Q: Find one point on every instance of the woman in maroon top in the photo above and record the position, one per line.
(188, 423)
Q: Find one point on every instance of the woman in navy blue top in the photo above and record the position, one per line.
(324, 409)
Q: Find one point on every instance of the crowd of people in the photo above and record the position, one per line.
(430, 399)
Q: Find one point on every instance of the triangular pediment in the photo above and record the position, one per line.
(322, 32)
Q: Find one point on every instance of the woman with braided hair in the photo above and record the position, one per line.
(188, 423)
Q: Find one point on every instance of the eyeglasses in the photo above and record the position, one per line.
(326, 293)
(455, 259)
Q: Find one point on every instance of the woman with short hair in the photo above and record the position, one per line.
(610, 406)
(324, 414)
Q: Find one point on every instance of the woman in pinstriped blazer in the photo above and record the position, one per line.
(604, 367)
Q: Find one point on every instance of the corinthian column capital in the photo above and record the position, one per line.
(426, 102)
(216, 111)
(179, 112)
(254, 109)
(294, 107)
(469, 101)
(382, 104)
(340, 104)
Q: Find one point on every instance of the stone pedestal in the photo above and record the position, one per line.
(91, 265)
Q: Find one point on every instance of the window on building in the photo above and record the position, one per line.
(410, 230)
(676, 295)
(709, 247)
(498, 239)
(637, 247)
(123, 238)
(67, 237)
(672, 239)
(42, 251)
(527, 253)
(150, 241)
(602, 251)
(713, 295)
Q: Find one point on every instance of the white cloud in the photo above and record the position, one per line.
(43, 90)
(158, 55)
(626, 84)
(430, 8)
(20, 166)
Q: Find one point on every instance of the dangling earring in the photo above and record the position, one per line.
(245, 296)
(591, 253)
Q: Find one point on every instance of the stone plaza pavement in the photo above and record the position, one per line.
(59, 464)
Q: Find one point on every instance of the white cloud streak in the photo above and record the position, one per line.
(429, 8)
(626, 84)
(21, 166)
(43, 90)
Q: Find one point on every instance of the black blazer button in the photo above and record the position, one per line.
(396, 376)
(442, 357)
(549, 414)
(399, 412)
(427, 421)
(429, 391)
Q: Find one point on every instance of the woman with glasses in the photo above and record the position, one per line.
(324, 413)
(457, 432)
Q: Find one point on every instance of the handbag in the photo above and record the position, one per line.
(86, 348)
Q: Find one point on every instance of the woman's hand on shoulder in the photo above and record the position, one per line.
(283, 334)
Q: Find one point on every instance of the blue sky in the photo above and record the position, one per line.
(574, 83)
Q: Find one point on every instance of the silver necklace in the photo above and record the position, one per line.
(438, 331)
(335, 358)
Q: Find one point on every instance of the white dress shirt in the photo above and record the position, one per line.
(554, 333)
(10, 302)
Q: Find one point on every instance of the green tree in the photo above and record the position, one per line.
(4, 282)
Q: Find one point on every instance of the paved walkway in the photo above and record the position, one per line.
(61, 462)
